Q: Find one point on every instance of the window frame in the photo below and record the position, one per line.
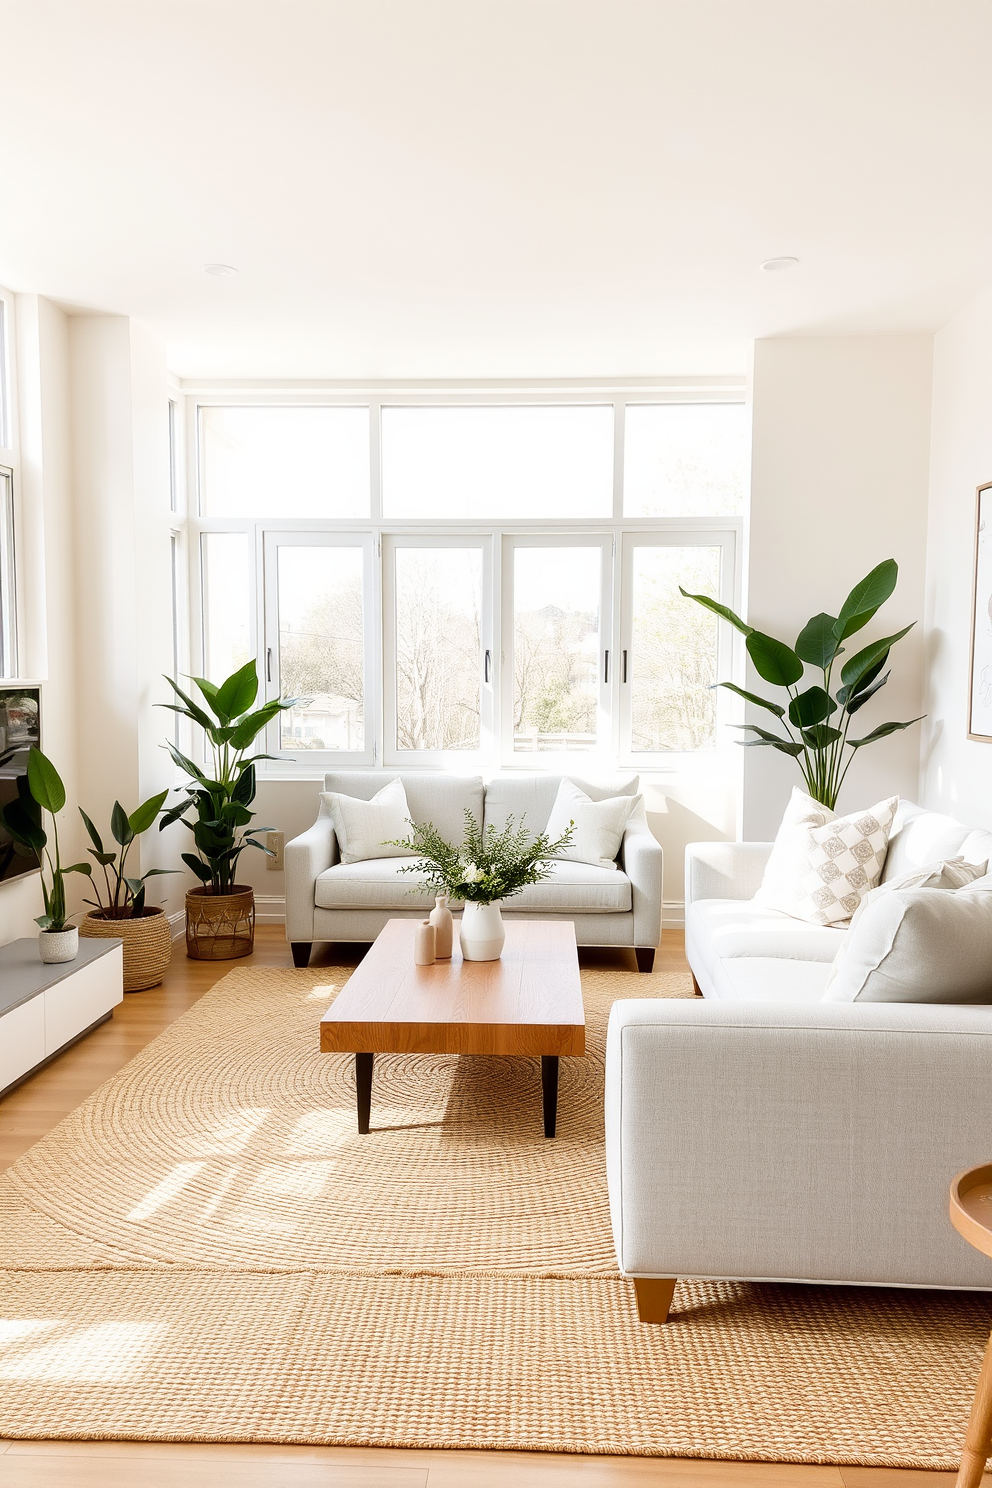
(496, 743)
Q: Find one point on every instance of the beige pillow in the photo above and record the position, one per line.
(599, 825)
(917, 945)
(363, 828)
(822, 865)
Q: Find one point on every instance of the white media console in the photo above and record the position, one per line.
(45, 1008)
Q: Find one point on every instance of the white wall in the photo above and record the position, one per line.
(957, 772)
(839, 480)
(45, 570)
(124, 598)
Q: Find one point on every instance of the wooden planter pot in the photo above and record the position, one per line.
(147, 944)
(220, 927)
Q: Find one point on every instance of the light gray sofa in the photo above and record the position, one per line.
(327, 900)
(763, 1134)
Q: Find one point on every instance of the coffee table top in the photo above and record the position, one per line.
(528, 1002)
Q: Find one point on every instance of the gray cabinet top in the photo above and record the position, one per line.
(24, 975)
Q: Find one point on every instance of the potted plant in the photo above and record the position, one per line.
(816, 722)
(38, 791)
(487, 868)
(143, 928)
(220, 913)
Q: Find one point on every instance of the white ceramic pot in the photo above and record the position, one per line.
(481, 935)
(59, 945)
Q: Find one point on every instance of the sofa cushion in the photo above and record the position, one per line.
(919, 837)
(431, 795)
(742, 927)
(531, 797)
(378, 883)
(370, 829)
(918, 945)
(822, 865)
(770, 979)
(597, 826)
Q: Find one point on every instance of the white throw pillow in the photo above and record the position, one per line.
(949, 873)
(599, 825)
(363, 828)
(822, 865)
(917, 945)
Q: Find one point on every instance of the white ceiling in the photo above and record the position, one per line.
(495, 188)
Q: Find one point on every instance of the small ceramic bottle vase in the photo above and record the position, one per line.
(444, 927)
(423, 944)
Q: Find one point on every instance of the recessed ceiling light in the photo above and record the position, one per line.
(772, 265)
(220, 270)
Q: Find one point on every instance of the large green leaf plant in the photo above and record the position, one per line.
(40, 790)
(217, 805)
(125, 893)
(816, 720)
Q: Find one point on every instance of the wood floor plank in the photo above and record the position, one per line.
(99, 1470)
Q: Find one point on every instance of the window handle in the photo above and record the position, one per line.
(606, 666)
(487, 667)
(268, 664)
(623, 666)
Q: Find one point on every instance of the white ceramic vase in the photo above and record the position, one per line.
(481, 935)
(59, 945)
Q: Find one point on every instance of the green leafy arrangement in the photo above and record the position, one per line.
(38, 791)
(816, 722)
(489, 864)
(125, 895)
(217, 809)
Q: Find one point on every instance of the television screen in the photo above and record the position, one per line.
(20, 727)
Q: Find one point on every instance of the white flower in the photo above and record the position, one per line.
(472, 874)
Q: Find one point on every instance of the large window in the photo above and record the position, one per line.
(471, 582)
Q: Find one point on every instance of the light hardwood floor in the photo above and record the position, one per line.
(35, 1107)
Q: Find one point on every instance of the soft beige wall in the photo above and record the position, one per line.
(45, 572)
(957, 772)
(124, 605)
(839, 479)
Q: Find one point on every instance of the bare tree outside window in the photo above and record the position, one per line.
(674, 650)
(555, 648)
(438, 639)
(321, 647)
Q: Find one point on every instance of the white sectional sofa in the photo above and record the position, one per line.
(327, 900)
(761, 1133)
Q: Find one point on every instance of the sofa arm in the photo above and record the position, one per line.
(643, 862)
(306, 857)
(806, 1142)
(724, 870)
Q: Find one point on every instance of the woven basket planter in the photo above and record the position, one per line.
(220, 927)
(147, 944)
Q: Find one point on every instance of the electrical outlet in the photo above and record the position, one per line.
(275, 841)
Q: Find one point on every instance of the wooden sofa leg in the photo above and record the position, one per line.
(697, 989)
(645, 957)
(654, 1297)
(301, 952)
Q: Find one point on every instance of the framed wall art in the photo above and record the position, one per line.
(980, 671)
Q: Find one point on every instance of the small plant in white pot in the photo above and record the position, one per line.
(38, 791)
(488, 867)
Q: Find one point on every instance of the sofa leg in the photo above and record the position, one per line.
(301, 952)
(645, 957)
(697, 989)
(654, 1297)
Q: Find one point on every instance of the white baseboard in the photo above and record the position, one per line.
(673, 913)
(270, 909)
(177, 925)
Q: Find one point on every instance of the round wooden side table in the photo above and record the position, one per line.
(971, 1216)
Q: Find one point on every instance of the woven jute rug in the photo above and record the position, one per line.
(207, 1250)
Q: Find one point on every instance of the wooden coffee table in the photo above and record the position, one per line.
(971, 1216)
(529, 1002)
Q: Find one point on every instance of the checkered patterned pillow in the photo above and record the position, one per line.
(822, 865)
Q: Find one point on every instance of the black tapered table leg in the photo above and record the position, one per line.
(549, 1087)
(363, 1083)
